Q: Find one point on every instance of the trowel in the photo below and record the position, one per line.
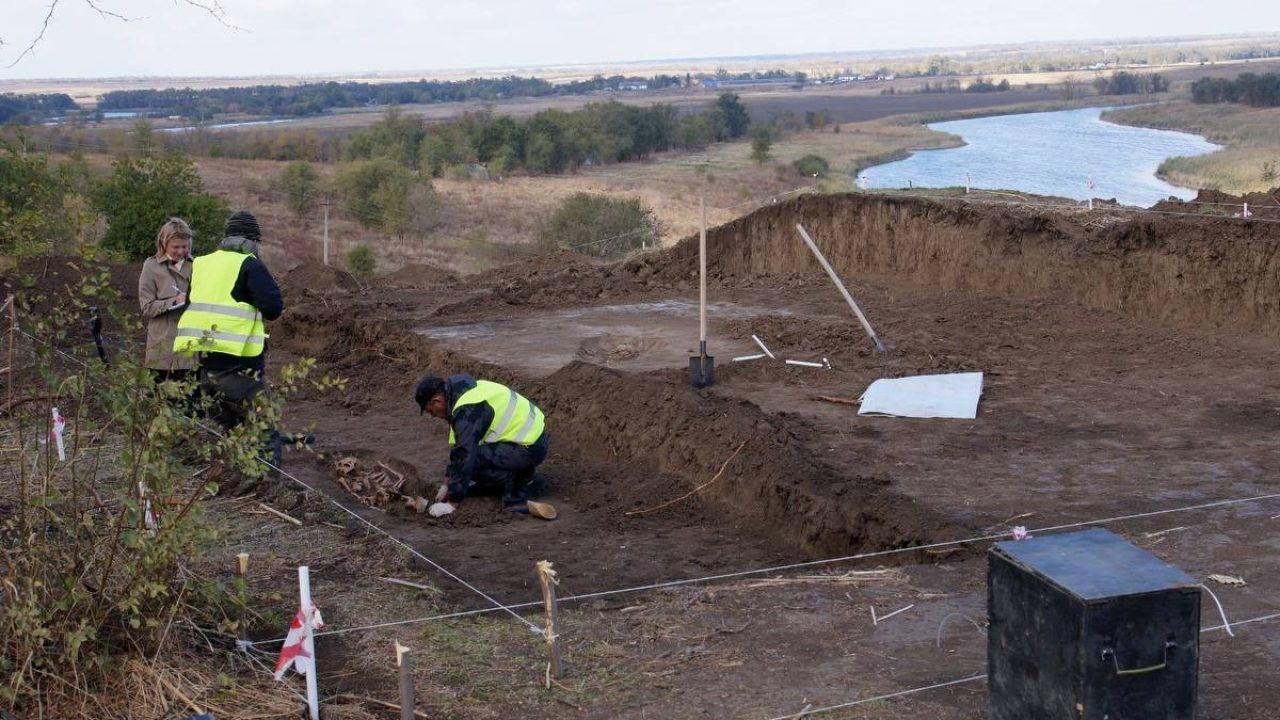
(702, 367)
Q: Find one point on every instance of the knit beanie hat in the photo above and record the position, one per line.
(243, 224)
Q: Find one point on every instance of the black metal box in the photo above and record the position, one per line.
(1086, 626)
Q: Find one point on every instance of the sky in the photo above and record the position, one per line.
(290, 37)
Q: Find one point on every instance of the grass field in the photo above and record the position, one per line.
(1251, 136)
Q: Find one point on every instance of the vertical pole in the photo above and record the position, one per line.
(547, 577)
(1090, 203)
(1246, 210)
(304, 597)
(242, 569)
(831, 273)
(967, 182)
(326, 229)
(702, 282)
(404, 660)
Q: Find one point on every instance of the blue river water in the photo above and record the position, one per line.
(1057, 153)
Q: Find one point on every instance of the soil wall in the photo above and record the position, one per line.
(1219, 272)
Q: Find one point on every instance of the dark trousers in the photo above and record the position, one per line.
(232, 394)
(509, 469)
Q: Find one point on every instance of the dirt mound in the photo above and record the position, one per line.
(1200, 271)
(1262, 205)
(417, 276)
(318, 277)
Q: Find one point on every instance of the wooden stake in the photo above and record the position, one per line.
(404, 660)
(831, 273)
(282, 516)
(547, 577)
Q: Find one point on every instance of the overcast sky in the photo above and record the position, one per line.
(168, 37)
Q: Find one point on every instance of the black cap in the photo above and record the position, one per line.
(244, 224)
(428, 387)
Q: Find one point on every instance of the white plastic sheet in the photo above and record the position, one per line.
(953, 395)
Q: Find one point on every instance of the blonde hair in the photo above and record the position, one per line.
(174, 228)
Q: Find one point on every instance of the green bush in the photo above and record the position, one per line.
(361, 261)
(382, 194)
(600, 226)
(142, 193)
(32, 197)
(761, 144)
(812, 166)
(298, 181)
(89, 587)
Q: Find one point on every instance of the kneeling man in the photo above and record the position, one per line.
(498, 439)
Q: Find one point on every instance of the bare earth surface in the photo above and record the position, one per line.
(1111, 390)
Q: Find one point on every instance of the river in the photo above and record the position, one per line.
(1066, 153)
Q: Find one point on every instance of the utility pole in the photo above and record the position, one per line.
(325, 204)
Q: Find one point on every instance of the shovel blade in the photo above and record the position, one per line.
(702, 370)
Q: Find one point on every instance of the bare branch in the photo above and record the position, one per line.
(215, 10)
(107, 13)
(212, 7)
(44, 26)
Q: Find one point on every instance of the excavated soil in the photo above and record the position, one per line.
(1129, 367)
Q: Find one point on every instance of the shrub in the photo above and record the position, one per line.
(298, 181)
(32, 196)
(600, 226)
(761, 144)
(812, 166)
(90, 585)
(382, 194)
(141, 194)
(361, 261)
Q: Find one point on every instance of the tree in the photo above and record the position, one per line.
(733, 114)
(383, 194)
(142, 193)
(298, 182)
(600, 226)
(761, 143)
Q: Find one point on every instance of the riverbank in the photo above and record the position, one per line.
(1250, 160)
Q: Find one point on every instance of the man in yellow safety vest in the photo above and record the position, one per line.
(232, 295)
(498, 439)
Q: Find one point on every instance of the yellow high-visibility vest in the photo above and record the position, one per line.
(215, 321)
(515, 418)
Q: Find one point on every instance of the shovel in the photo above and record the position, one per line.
(702, 367)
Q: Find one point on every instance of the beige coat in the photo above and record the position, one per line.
(160, 282)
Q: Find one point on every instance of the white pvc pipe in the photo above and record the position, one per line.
(763, 347)
(805, 363)
(822, 260)
(744, 358)
(308, 609)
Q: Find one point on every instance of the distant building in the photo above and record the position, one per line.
(634, 86)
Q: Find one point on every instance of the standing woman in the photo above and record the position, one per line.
(162, 294)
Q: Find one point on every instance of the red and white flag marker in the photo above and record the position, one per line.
(55, 434)
(300, 644)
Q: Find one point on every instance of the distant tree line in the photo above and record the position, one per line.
(550, 142)
(1248, 88)
(1127, 83)
(315, 98)
(25, 109)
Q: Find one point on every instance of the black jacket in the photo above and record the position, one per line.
(469, 425)
(255, 286)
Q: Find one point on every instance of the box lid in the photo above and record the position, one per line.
(1094, 564)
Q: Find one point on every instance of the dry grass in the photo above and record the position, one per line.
(1251, 137)
(483, 224)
